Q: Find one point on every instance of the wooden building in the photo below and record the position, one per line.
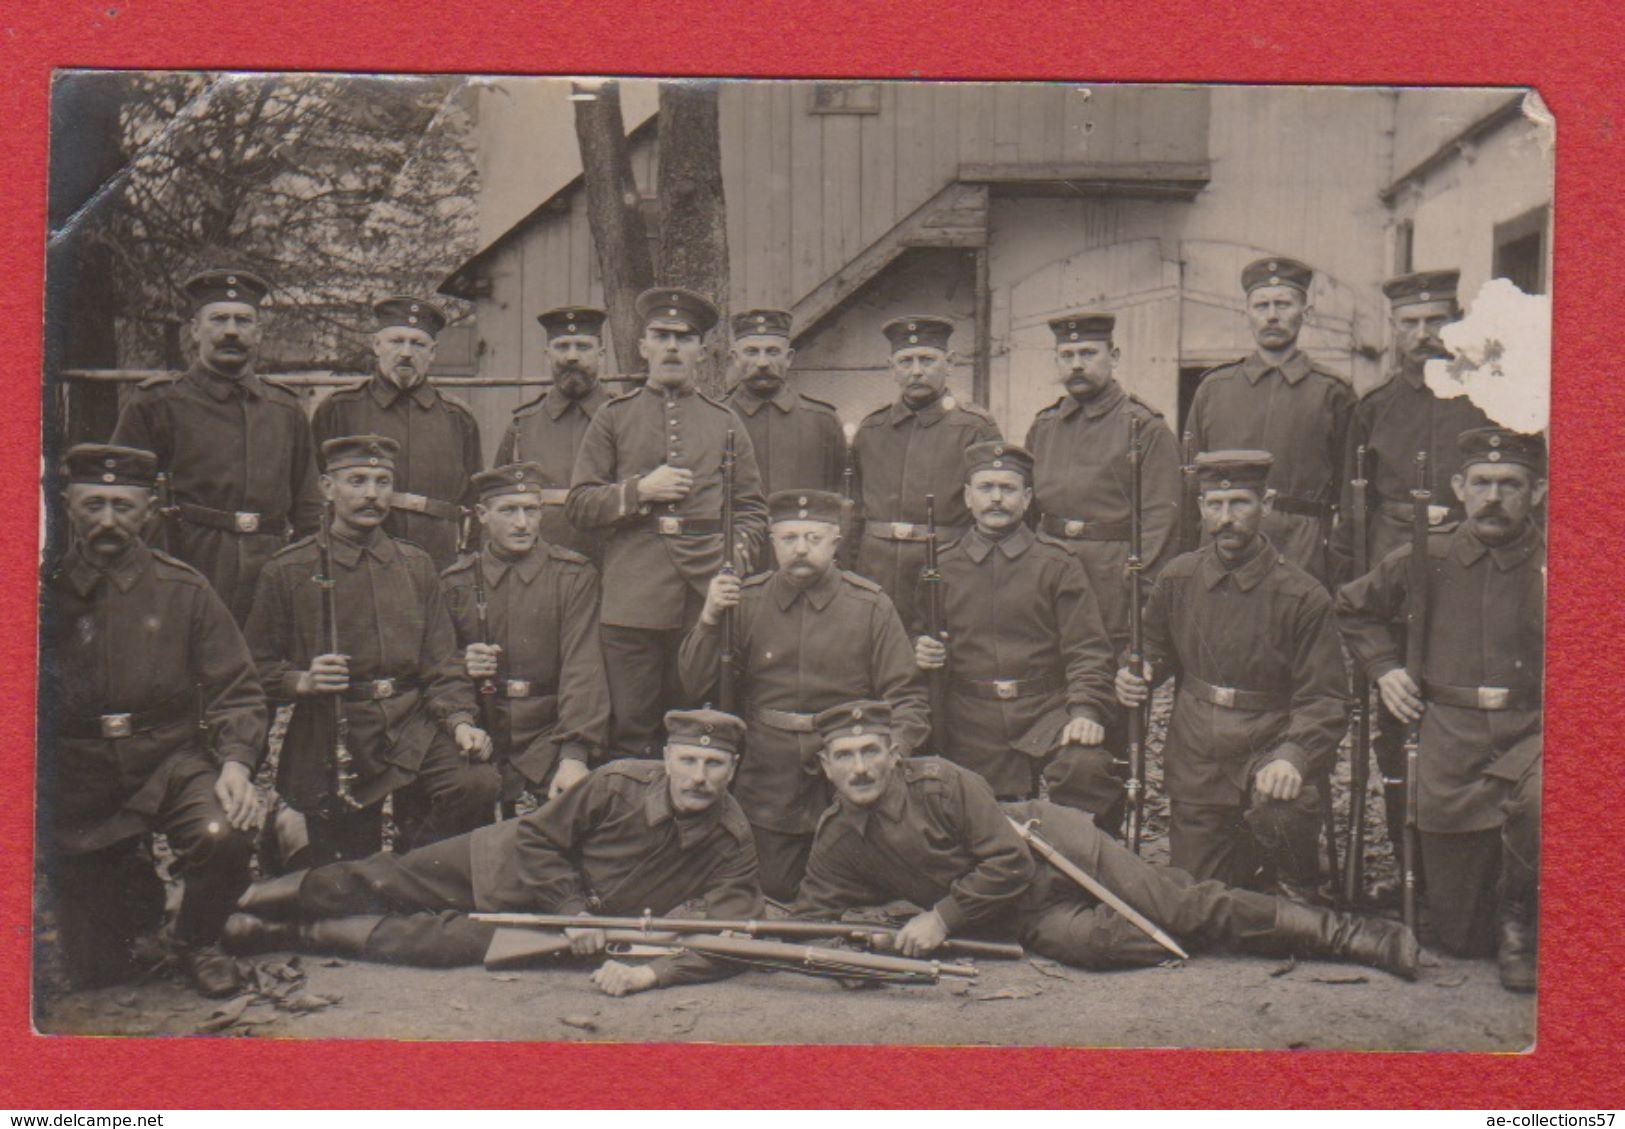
(1004, 205)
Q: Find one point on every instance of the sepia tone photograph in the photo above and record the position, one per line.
(793, 562)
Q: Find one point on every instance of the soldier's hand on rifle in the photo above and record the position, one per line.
(1133, 687)
(722, 594)
(1083, 731)
(617, 979)
(929, 653)
(473, 742)
(480, 660)
(235, 791)
(923, 935)
(1401, 695)
(328, 674)
(566, 776)
(586, 942)
(1278, 780)
(665, 483)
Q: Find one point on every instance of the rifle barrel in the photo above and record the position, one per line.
(1135, 787)
(1360, 758)
(1415, 645)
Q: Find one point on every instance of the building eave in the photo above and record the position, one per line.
(1503, 115)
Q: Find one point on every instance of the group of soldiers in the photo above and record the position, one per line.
(647, 626)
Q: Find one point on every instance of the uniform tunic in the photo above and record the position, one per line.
(898, 457)
(232, 446)
(804, 650)
(1081, 473)
(542, 610)
(440, 451)
(548, 432)
(1299, 414)
(1485, 627)
(1019, 609)
(647, 574)
(392, 623)
(798, 440)
(1393, 422)
(149, 633)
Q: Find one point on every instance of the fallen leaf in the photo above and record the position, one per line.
(334, 963)
(125, 999)
(1352, 979)
(505, 978)
(1298, 1046)
(580, 1022)
(1263, 1007)
(307, 1001)
(1009, 994)
(681, 1004)
(457, 1005)
(224, 1017)
(1046, 969)
(1283, 969)
(1453, 982)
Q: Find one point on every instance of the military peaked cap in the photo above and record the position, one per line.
(996, 454)
(512, 478)
(1233, 470)
(762, 323)
(225, 285)
(705, 729)
(674, 306)
(918, 330)
(804, 505)
(1083, 327)
(854, 719)
(573, 321)
(1277, 272)
(1423, 286)
(1502, 445)
(106, 465)
(413, 313)
(359, 450)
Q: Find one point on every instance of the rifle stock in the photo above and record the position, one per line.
(931, 585)
(727, 675)
(1360, 758)
(343, 767)
(1135, 786)
(1415, 645)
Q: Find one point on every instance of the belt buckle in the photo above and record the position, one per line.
(1493, 697)
(1005, 688)
(1225, 696)
(115, 725)
(247, 523)
(902, 530)
(669, 526)
(383, 688)
(518, 688)
(1074, 528)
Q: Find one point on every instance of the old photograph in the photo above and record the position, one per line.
(638, 560)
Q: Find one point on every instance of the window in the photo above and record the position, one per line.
(1404, 246)
(1520, 250)
(845, 98)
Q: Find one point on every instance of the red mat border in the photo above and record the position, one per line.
(1564, 50)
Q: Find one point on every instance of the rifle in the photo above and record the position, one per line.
(879, 937)
(168, 511)
(935, 625)
(1135, 787)
(485, 689)
(727, 675)
(1188, 533)
(1360, 764)
(1415, 642)
(328, 633)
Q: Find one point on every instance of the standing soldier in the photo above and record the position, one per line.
(1478, 792)
(912, 447)
(1263, 695)
(649, 474)
(1027, 662)
(527, 623)
(438, 438)
(157, 723)
(410, 723)
(1276, 400)
(810, 635)
(798, 440)
(1393, 422)
(236, 447)
(547, 431)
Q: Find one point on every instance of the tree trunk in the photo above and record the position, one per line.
(693, 213)
(615, 218)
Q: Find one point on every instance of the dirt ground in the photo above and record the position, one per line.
(1212, 1001)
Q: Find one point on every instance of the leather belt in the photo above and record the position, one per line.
(1008, 689)
(1490, 698)
(670, 525)
(912, 531)
(1303, 507)
(552, 496)
(1230, 698)
(1437, 515)
(1070, 529)
(377, 689)
(429, 507)
(112, 726)
(787, 720)
(239, 522)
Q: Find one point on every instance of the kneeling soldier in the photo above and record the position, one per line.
(634, 836)
(926, 831)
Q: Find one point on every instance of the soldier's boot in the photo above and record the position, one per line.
(276, 898)
(1516, 953)
(1290, 837)
(247, 935)
(1306, 931)
(212, 972)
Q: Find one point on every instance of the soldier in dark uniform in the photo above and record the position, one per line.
(649, 474)
(157, 724)
(1276, 400)
(237, 447)
(798, 440)
(1393, 422)
(410, 712)
(547, 431)
(809, 635)
(1263, 696)
(912, 447)
(1480, 699)
(1029, 666)
(633, 837)
(925, 831)
(438, 437)
(537, 658)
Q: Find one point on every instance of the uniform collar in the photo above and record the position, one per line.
(978, 545)
(1293, 369)
(670, 393)
(1417, 380)
(1101, 402)
(221, 388)
(895, 798)
(819, 595)
(527, 567)
(555, 403)
(928, 415)
(1470, 550)
(379, 545)
(691, 829)
(84, 574)
(750, 403)
(1212, 570)
(385, 392)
